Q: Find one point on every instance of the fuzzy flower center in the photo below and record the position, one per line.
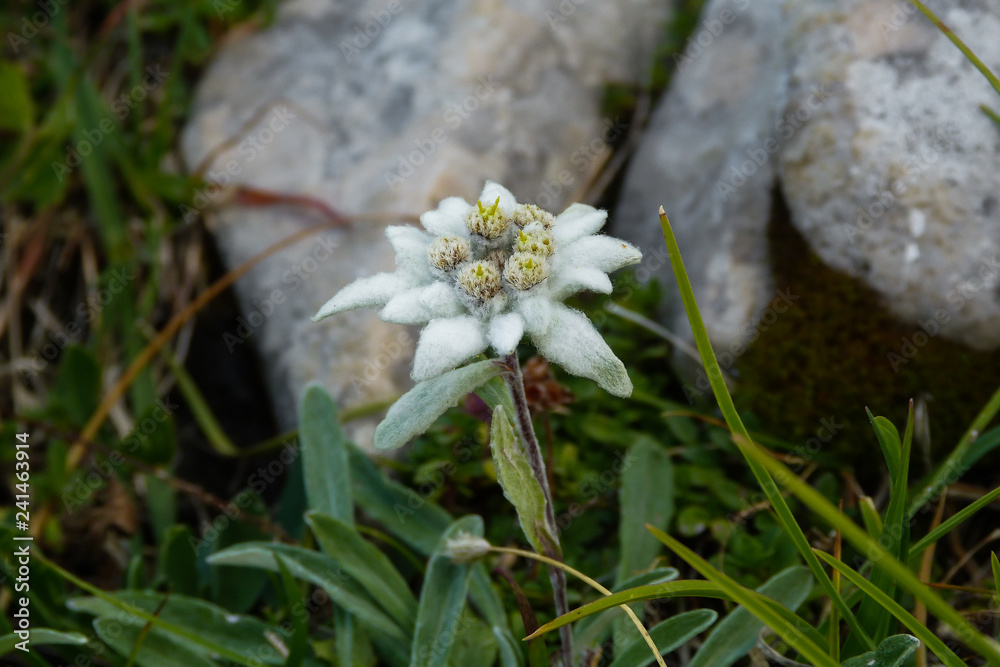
(525, 214)
(480, 280)
(447, 252)
(524, 270)
(536, 241)
(490, 223)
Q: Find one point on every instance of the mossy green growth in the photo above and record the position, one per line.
(839, 350)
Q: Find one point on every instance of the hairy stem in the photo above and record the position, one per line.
(515, 383)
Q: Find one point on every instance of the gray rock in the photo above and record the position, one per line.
(385, 108)
(867, 118)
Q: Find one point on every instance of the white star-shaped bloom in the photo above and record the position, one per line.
(482, 275)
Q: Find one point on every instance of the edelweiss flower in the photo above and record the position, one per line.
(483, 275)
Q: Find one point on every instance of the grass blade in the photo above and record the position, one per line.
(791, 632)
(895, 533)
(740, 434)
(919, 630)
(953, 521)
(814, 500)
(733, 638)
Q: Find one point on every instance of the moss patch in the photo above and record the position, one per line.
(829, 356)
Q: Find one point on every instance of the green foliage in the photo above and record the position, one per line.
(647, 496)
(737, 633)
(891, 653)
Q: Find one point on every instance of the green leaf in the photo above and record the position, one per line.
(159, 649)
(184, 623)
(894, 537)
(792, 632)
(325, 457)
(485, 598)
(519, 484)
(442, 599)
(17, 110)
(938, 647)
(888, 440)
(153, 438)
(295, 604)
(658, 576)
(891, 653)
(646, 496)
(870, 516)
(318, 569)
(77, 388)
(475, 645)
(668, 636)
(178, 561)
(41, 636)
(402, 511)
(495, 393)
(367, 565)
(420, 407)
(737, 633)
(670, 589)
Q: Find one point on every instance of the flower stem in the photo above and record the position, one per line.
(515, 383)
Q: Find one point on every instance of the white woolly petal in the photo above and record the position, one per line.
(445, 344)
(567, 282)
(448, 218)
(493, 190)
(406, 308)
(505, 332)
(410, 245)
(604, 253)
(577, 221)
(536, 311)
(367, 292)
(440, 300)
(571, 341)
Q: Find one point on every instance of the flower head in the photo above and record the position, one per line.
(482, 275)
(466, 548)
